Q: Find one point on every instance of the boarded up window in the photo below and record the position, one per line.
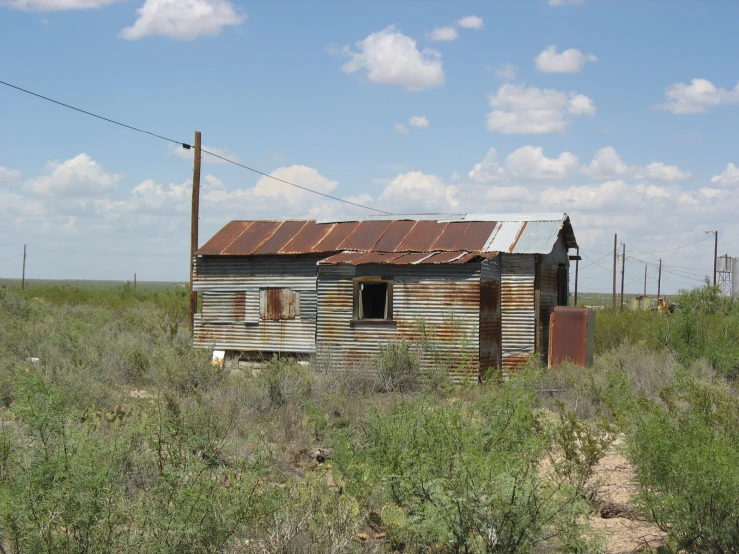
(221, 306)
(279, 304)
(373, 298)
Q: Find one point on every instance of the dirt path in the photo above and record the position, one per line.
(624, 530)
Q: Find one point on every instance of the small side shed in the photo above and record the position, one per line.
(483, 285)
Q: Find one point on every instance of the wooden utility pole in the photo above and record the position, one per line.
(623, 271)
(194, 227)
(134, 281)
(577, 272)
(715, 255)
(645, 280)
(23, 273)
(659, 280)
(615, 257)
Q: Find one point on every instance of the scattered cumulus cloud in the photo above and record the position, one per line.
(529, 162)
(391, 58)
(441, 34)
(9, 175)
(78, 176)
(183, 19)
(470, 22)
(415, 192)
(518, 109)
(608, 164)
(400, 129)
(420, 122)
(567, 61)
(728, 178)
(298, 174)
(488, 170)
(507, 71)
(54, 5)
(697, 97)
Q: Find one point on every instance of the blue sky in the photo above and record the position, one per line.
(622, 114)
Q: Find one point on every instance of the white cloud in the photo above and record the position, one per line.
(522, 110)
(728, 178)
(187, 154)
(470, 22)
(297, 174)
(400, 129)
(529, 162)
(78, 176)
(488, 170)
(415, 192)
(607, 164)
(9, 175)
(183, 19)
(507, 71)
(697, 97)
(440, 34)
(653, 191)
(609, 196)
(391, 58)
(420, 122)
(566, 2)
(54, 5)
(567, 61)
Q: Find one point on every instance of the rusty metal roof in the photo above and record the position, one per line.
(399, 239)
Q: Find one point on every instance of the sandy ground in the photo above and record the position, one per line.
(624, 530)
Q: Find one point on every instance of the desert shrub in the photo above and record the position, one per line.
(287, 382)
(463, 479)
(686, 453)
(398, 367)
(613, 328)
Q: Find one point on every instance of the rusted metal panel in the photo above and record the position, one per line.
(572, 331)
(230, 306)
(490, 322)
(308, 239)
(395, 233)
(395, 258)
(422, 237)
(277, 304)
(249, 241)
(365, 236)
(503, 236)
(223, 239)
(547, 302)
(446, 298)
(282, 236)
(338, 234)
(518, 315)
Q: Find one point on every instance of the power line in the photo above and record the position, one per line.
(188, 146)
(11, 258)
(671, 249)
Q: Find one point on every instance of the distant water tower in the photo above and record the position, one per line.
(727, 274)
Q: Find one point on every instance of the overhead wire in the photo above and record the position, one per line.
(189, 146)
(11, 258)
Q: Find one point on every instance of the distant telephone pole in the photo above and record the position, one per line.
(659, 279)
(615, 257)
(23, 274)
(623, 271)
(194, 227)
(645, 280)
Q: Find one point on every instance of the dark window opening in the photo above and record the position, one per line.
(562, 285)
(373, 299)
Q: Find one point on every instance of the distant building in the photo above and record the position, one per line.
(483, 284)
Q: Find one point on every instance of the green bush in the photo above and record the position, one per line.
(398, 367)
(465, 479)
(686, 452)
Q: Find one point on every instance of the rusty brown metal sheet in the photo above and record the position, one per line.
(257, 233)
(444, 257)
(393, 236)
(452, 237)
(281, 237)
(308, 239)
(342, 258)
(223, 238)
(478, 234)
(422, 236)
(336, 236)
(568, 336)
(365, 236)
(279, 304)
(411, 258)
(518, 236)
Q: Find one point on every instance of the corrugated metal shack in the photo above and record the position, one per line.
(480, 288)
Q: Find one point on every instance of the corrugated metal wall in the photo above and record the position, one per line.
(230, 317)
(518, 315)
(549, 286)
(446, 297)
(490, 323)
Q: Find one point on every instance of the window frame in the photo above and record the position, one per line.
(357, 298)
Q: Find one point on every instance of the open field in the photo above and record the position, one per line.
(117, 436)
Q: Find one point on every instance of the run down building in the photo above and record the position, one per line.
(482, 286)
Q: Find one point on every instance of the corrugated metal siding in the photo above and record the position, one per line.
(229, 282)
(445, 297)
(518, 315)
(489, 316)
